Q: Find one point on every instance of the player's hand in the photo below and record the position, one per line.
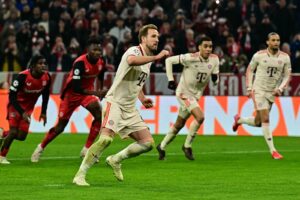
(172, 85)
(148, 103)
(44, 118)
(26, 117)
(277, 92)
(162, 54)
(101, 93)
(249, 93)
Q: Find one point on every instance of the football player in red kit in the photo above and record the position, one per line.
(80, 91)
(23, 94)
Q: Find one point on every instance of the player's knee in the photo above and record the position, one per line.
(21, 136)
(200, 120)
(148, 146)
(104, 140)
(177, 126)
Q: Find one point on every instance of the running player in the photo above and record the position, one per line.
(272, 69)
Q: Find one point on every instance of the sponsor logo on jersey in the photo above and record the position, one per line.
(28, 84)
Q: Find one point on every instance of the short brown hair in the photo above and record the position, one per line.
(144, 30)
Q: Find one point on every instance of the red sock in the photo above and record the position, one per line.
(49, 137)
(93, 133)
(4, 152)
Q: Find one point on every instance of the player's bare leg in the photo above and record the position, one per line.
(144, 143)
(93, 155)
(6, 145)
(95, 109)
(198, 120)
(50, 136)
(264, 115)
(161, 147)
(3, 135)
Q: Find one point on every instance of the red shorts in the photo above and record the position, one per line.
(71, 102)
(16, 120)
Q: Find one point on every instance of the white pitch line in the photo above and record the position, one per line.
(55, 185)
(155, 154)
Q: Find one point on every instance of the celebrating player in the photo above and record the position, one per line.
(121, 115)
(198, 68)
(80, 91)
(23, 94)
(271, 66)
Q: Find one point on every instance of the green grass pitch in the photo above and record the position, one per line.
(226, 167)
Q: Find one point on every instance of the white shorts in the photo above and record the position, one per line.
(122, 121)
(187, 104)
(262, 100)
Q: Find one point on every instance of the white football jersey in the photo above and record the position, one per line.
(129, 80)
(269, 69)
(196, 73)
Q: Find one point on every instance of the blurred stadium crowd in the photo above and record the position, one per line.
(59, 29)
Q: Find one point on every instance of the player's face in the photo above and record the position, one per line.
(151, 39)
(95, 51)
(205, 48)
(274, 42)
(40, 67)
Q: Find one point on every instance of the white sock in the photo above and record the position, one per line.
(249, 121)
(133, 150)
(168, 138)
(94, 153)
(268, 136)
(191, 135)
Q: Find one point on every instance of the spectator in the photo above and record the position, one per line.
(118, 30)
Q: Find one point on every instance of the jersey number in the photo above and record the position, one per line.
(142, 78)
(201, 77)
(271, 71)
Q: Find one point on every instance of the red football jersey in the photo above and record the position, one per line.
(85, 71)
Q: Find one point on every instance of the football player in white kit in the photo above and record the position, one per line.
(272, 69)
(198, 69)
(121, 115)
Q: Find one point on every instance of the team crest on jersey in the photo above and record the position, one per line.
(209, 66)
(61, 114)
(28, 84)
(44, 83)
(265, 61)
(137, 52)
(111, 122)
(99, 67)
(279, 62)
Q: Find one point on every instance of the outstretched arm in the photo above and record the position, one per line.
(141, 60)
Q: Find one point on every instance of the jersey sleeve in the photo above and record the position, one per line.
(45, 95)
(184, 58)
(15, 87)
(216, 69)
(254, 62)
(134, 51)
(78, 72)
